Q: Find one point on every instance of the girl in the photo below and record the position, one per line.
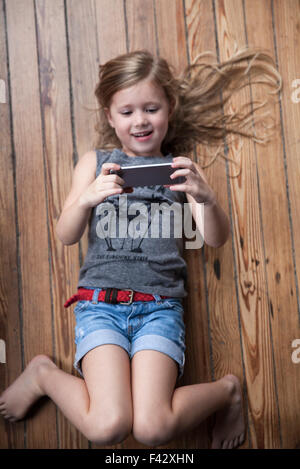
(129, 316)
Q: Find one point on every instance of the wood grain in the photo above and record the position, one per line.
(83, 70)
(10, 324)
(58, 151)
(171, 34)
(141, 25)
(34, 274)
(282, 206)
(111, 40)
(248, 248)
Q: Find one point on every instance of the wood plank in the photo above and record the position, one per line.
(84, 63)
(56, 109)
(11, 436)
(171, 40)
(283, 269)
(248, 247)
(140, 25)
(215, 271)
(111, 40)
(286, 20)
(31, 205)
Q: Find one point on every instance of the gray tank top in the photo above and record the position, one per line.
(124, 250)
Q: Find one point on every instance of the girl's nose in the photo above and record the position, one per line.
(140, 119)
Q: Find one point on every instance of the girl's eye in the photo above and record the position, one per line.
(150, 110)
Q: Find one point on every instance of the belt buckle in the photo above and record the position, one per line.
(130, 298)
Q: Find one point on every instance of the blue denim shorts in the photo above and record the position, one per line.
(142, 325)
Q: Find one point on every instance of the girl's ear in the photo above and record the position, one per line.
(108, 116)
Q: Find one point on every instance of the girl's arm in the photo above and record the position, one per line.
(86, 192)
(216, 223)
(75, 213)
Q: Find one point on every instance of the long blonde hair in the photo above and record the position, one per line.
(197, 96)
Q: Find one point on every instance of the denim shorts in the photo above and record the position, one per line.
(142, 325)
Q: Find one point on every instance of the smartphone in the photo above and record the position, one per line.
(148, 175)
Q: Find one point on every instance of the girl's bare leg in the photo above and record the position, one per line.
(160, 413)
(100, 406)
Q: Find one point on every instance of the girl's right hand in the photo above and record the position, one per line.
(103, 186)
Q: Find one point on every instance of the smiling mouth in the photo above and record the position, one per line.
(142, 134)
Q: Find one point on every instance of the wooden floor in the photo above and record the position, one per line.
(243, 311)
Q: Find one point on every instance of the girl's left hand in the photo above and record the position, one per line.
(194, 185)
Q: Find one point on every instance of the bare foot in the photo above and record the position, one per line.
(16, 400)
(229, 429)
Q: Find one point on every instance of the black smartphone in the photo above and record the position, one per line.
(148, 175)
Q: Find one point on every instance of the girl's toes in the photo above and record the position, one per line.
(225, 444)
(236, 442)
(241, 439)
(230, 446)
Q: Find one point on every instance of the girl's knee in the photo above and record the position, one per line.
(110, 430)
(153, 429)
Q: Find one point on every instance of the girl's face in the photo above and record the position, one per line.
(139, 114)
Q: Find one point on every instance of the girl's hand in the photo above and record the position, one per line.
(195, 184)
(103, 186)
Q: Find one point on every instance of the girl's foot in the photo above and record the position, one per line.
(229, 429)
(16, 400)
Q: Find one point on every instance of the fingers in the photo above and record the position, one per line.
(189, 183)
(179, 187)
(109, 179)
(110, 192)
(184, 162)
(109, 184)
(113, 178)
(180, 172)
(186, 168)
(112, 185)
(115, 191)
(105, 171)
(106, 167)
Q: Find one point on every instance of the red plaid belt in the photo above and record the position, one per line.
(111, 295)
